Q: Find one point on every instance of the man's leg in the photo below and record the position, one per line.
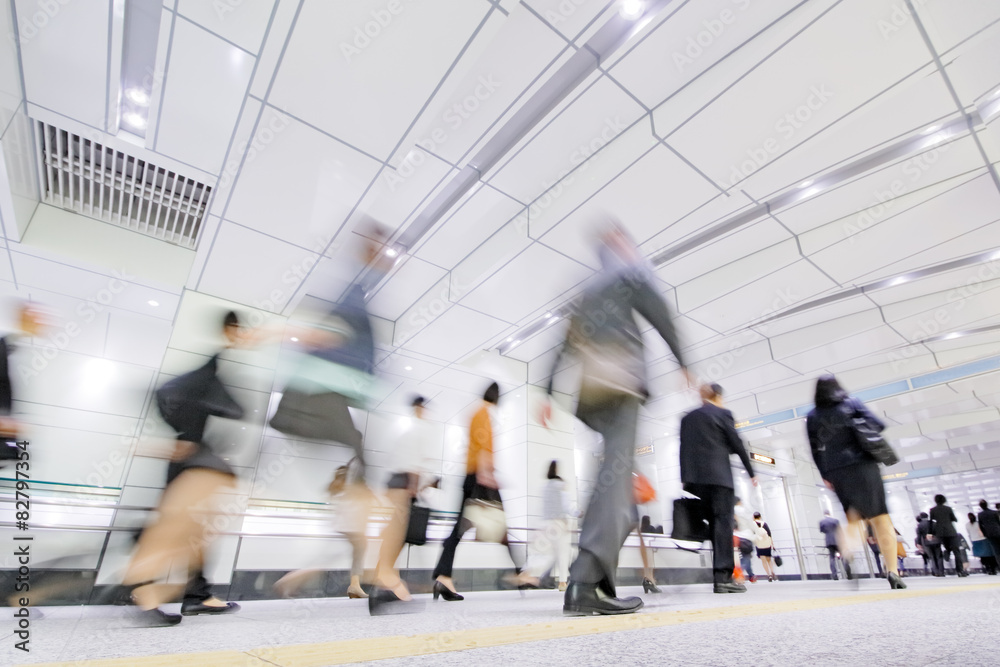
(608, 520)
(719, 501)
(833, 561)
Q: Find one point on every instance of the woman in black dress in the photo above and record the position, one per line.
(850, 471)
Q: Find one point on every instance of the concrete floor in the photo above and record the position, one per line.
(935, 622)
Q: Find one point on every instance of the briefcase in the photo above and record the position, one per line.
(416, 531)
(691, 520)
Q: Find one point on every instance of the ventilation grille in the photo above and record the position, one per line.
(83, 176)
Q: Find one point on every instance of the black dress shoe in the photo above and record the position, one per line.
(896, 582)
(649, 587)
(445, 592)
(587, 599)
(154, 618)
(195, 608)
(382, 602)
(730, 587)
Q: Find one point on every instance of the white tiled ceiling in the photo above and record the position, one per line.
(311, 115)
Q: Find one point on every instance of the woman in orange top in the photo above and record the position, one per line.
(479, 474)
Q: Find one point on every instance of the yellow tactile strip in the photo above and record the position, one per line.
(382, 648)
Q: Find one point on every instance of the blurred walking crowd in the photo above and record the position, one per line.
(335, 374)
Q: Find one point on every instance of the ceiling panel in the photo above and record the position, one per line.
(804, 90)
(300, 186)
(593, 119)
(242, 23)
(455, 334)
(784, 287)
(724, 279)
(407, 283)
(867, 200)
(929, 226)
(204, 72)
(530, 281)
(947, 23)
(354, 52)
(638, 200)
(64, 56)
(251, 268)
(476, 220)
(914, 105)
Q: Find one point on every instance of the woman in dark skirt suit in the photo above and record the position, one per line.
(849, 471)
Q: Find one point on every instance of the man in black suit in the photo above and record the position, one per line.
(708, 437)
(943, 527)
(989, 523)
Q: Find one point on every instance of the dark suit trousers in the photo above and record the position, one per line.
(937, 558)
(609, 518)
(720, 500)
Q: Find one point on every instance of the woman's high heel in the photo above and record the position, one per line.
(895, 581)
(445, 592)
(649, 587)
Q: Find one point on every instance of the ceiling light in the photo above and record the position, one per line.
(409, 368)
(294, 339)
(899, 280)
(996, 94)
(154, 304)
(631, 9)
(805, 184)
(515, 343)
(137, 96)
(932, 128)
(135, 120)
(391, 252)
(510, 338)
(548, 315)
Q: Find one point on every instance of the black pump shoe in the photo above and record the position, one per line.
(649, 587)
(154, 618)
(896, 582)
(588, 599)
(195, 608)
(446, 593)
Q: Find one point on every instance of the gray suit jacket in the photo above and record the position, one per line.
(604, 319)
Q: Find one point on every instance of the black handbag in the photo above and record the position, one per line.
(871, 441)
(188, 397)
(691, 520)
(416, 530)
(778, 560)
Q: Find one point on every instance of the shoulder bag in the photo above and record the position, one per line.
(871, 441)
(484, 510)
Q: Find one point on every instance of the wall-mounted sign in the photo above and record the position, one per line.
(760, 458)
(645, 449)
(912, 474)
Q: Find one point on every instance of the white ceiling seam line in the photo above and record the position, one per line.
(950, 265)
(256, 124)
(918, 21)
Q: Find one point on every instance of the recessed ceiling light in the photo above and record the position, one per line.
(932, 128)
(996, 94)
(806, 184)
(510, 338)
(515, 343)
(135, 120)
(548, 315)
(294, 339)
(391, 252)
(154, 304)
(899, 280)
(631, 9)
(137, 96)
(409, 368)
